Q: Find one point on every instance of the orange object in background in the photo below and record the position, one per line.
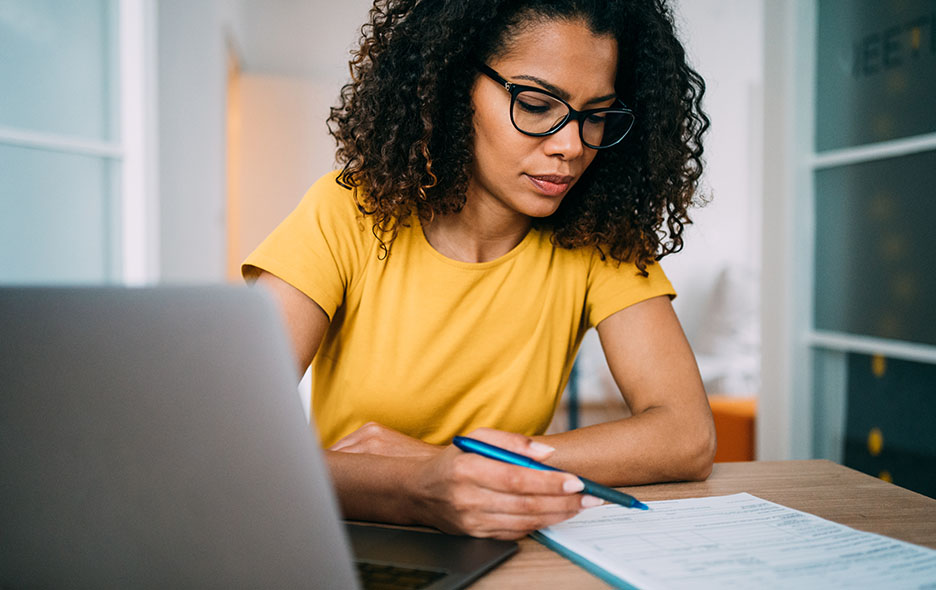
(734, 427)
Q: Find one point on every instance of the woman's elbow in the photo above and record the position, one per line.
(700, 453)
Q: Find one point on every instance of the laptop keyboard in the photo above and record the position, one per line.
(375, 576)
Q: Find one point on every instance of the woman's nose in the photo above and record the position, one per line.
(567, 142)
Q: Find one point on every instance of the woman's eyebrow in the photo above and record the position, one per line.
(560, 92)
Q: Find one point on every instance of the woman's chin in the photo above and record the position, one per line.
(536, 205)
(541, 210)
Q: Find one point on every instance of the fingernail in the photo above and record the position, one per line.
(541, 448)
(591, 501)
(573, 485)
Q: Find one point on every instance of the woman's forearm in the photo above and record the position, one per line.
(374, 487)
(654, 446)
(454, 491)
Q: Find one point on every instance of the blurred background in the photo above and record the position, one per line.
(158, 141)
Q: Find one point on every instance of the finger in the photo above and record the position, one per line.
(504, 477)
(494, 502)
(514, 526)
(512, 441)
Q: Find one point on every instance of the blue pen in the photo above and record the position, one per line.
(592, 488)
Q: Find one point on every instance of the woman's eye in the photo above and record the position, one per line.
(597, 119)
(533, 106)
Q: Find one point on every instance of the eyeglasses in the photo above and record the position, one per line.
(536, 112)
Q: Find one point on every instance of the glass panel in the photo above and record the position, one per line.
(55, 217)
(889, 430)
(875, 71)
(874, 248)
(56, 66)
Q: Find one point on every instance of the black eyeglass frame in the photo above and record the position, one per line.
(580, 116)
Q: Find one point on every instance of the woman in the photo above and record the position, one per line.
(512, 172)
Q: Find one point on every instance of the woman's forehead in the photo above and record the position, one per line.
(567, 54)
(571, 36)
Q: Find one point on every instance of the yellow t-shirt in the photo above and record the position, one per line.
(435, 347)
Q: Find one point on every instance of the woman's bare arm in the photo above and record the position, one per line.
(670, 435)
(306, 322)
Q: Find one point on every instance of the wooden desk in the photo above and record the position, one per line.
(819, 487)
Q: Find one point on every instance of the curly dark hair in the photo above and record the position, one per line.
(404, 122)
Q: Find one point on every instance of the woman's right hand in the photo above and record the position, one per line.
(465, 493)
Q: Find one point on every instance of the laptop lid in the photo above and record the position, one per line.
(153, 438)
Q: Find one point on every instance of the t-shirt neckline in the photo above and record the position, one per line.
(513, 253)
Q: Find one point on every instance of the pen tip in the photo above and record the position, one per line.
(641, 505)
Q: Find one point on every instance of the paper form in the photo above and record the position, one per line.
(738, 541)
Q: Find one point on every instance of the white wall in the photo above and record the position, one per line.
(717, 273)
(284, 148)
(294, 64)
(309, 39)
(303, 44)
(192, 74)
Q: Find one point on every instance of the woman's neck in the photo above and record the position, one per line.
(480, 232)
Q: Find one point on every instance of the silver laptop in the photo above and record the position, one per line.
(153, 438)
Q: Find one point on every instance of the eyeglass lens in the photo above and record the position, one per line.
(539, 113)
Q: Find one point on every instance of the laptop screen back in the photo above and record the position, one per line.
(153, 438)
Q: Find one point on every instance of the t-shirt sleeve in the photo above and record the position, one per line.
(612, 286)
(317, 248)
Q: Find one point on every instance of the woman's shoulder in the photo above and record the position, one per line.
(329, 202)
(598, 263)
(330, 191)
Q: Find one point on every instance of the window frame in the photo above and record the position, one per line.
(132, 155)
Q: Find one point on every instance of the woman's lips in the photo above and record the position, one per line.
(551, 184)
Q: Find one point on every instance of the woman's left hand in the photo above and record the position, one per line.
(376, 439)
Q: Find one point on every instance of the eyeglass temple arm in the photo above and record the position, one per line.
(490, 73)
